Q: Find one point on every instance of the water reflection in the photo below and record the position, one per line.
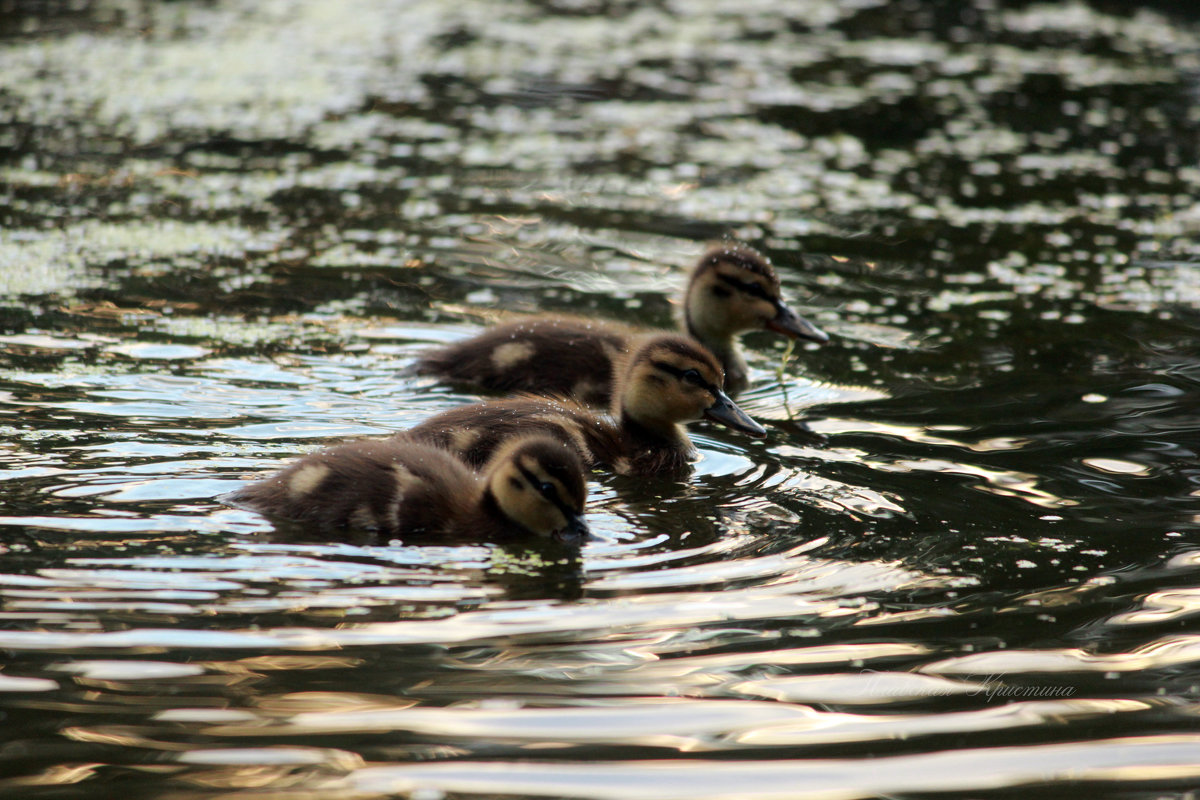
(1144, 759)
(961, 562)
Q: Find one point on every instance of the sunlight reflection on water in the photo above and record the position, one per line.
(962, 560)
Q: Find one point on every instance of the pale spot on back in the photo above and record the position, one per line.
(307, 478)
(363, 517)
(586, 388)
(461, 440)
(405, 479)
(612, 351)
(509, 355)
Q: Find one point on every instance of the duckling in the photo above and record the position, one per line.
(532, 486)
(665, 381)
(732, 289)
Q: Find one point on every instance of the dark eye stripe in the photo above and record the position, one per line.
(680, 373)
(749, 287)
(558, 471)
(550, 494)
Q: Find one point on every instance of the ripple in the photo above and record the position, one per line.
(1133, 760)
(129, 670)
(229, 229)
(148, 351)
(1116, 466)
(13, 683)
(815, 575)
(1166, 652)
(867, 688)
(679, 610)
(686, 725)
(240, 757)
(1162, 606)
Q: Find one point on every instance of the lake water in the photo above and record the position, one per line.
(227, 227)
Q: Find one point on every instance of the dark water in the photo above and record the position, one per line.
(225, 227)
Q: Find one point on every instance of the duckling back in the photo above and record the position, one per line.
(665, 381)
(731, 290)
(550, 355)
(399, 487)
(391, 486)
(475, 431)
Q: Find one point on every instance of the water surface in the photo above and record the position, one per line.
(963, 562)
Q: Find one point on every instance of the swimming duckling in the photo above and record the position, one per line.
(532, 487)
(732, 289)
(667, 380)
(735, 289)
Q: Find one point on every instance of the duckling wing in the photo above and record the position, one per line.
(392, 487)
(566, 356)
(473, 432)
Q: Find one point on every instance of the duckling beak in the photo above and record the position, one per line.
(726, 412)
(576, 532)
(789, 323)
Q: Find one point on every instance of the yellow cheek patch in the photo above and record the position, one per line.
(307, 478)
(509, 355)
(553, 520)
(540, 517)
(764, 310)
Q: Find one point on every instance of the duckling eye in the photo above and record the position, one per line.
(693, 377)
(550, 492)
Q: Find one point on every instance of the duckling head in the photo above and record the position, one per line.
(734, 289)
(670, 379)
(538, 483)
